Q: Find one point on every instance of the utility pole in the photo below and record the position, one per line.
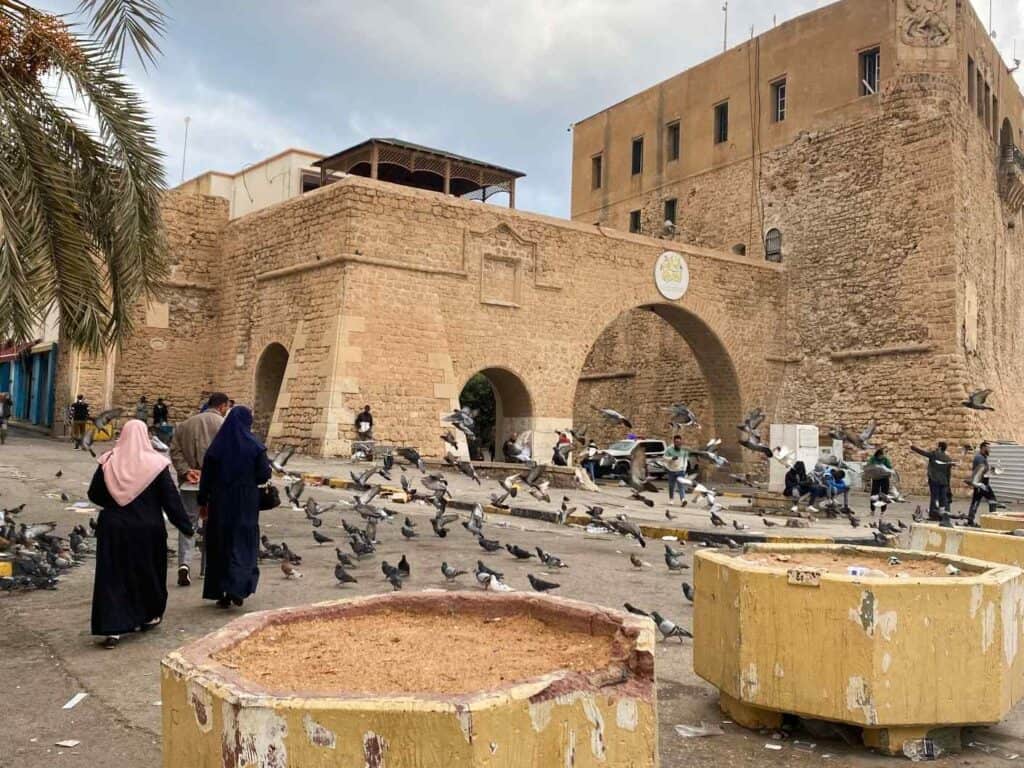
(991, 25)
(184, 150)
(725, 31)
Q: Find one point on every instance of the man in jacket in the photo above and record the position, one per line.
(980, 482)
(940, 465)
(79, 416)
(188, 448)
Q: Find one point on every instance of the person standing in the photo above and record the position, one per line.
(189, 444)
(880, 485)
(133, 488)
(142, 410)
(79, 417)
(980, 482)
(676, 459)
(159, 412)
(940, 466)
(236, 464)
(6, 412)
(590, 459)
(364, 424)
(510, 449)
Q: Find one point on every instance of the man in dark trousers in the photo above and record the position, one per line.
(940, 465)
(79, 417)
(159, 412)
(364, 424)
(980, 482)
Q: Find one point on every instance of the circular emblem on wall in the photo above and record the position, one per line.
(671, 275)
(157, 344)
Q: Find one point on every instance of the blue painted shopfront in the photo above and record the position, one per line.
(30, 377)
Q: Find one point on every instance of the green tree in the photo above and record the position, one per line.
(478, 394)
(80, 175)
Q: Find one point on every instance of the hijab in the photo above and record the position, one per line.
(235, 447)
(132, 464)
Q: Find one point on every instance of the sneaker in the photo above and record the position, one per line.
(184, 577)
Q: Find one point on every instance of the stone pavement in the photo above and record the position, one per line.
(49, 655)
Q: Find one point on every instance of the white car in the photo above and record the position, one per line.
(621, 451)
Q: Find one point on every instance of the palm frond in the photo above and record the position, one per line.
(116, 23)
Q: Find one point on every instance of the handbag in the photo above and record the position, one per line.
(269, 497)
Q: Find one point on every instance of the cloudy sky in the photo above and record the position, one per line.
(497, 80)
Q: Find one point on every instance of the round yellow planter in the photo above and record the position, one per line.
(899, 656)
(213, 717)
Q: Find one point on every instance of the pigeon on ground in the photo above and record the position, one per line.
(290, 571)
(518, 552)
(635, 560)
(344, 559)
(688, 591)
(540, 585)
(59, 473)
(408, 532)
(343, 576)
(634, 610)
(450, 573)
(489, 545)
(404, 568)
(740, 526)
(668, 628)
(550, 560)
(321, 538)
(716, 520)
(672, 559)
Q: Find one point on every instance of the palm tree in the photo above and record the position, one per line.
(80, 175)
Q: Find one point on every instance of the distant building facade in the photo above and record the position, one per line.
(845, 191)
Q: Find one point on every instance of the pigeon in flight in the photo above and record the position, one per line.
(278, 462)
(413, 457)
(976, 400)
(682, 416)
(463, 419)
(614, 416)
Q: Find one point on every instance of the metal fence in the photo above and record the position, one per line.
(1009, 459)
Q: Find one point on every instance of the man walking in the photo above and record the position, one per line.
(364, 424)
(980, 482)
(675, 460)
(188, 448)
(159, 412)
(79, 417)
(142, 410)
(940, 465)
(6, 411)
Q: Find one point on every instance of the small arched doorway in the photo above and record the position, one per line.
(1007, 140)
(505, 408)
(269, 378)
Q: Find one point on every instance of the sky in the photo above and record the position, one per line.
(496, 80)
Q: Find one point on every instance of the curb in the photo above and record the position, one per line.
(649, 530)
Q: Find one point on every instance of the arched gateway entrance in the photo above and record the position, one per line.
(269, 378)
(505, 407)
(650, 357)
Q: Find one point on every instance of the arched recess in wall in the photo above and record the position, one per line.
(1007, 139)
(505, 407)
(267, 386)
(650, 357)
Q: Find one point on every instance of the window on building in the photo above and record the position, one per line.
(779, 100)
(672, 140)
(638, 155)
(773, 246)
(722, 122)
(596, 171)
(634, 221)
(310, 181)
(987, 106)
(870, 71)
(670, 210)
(995, 118)
(970, 81)
(980, 85)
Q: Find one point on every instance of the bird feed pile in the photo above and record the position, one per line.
(851, 563)
(397, 652)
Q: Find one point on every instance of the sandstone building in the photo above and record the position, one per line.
(845, 190)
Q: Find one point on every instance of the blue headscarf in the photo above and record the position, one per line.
(235, 447)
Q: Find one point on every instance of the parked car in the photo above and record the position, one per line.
(620, 453)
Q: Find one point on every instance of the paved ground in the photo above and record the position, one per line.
(49, 656)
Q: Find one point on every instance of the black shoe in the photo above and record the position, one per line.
(150, 625)
(223, 603)
(237, 601)
(184, 577)
(111, 641)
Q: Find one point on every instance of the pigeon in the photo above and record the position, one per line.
(627, 527)
(489, 545)
(510, 484)
(672, 559)
(634, 610)
(321, 538)
(64, 497)
(463, 419)
(752, 420)
(635, 560)
(404, 568)
(344, 559)
(481, 568)
(59, 473)
(682, 416)
(945, 521)
(752, 442)
(976, 400)
(688, 591)
(294, 491)
(388, 569)
(413, 457)
(669, 515)
(439, 527)
(278, 462)
(519, 552)
(497, 585)
(565, 512)
(550, 560)
(469, 471)
(395, 579)
(768, 523)
(498, 500)
(716, 520)
(290, 571)
(449, 438)
(861, 440)
(668, 628)
(614, 416)
(540, 585)
(343, 576)
(740, 526)
(918, 515)
(408, 532)
(450, 573)
(746, 480)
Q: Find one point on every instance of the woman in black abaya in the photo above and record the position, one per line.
(234, 467)
(133, 487)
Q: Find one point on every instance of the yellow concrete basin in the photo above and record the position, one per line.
(897, 655)
(1007, 521)
(993, 546)
(216, 717)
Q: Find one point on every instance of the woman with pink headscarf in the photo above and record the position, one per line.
(133, 486)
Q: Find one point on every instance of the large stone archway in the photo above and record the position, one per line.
(513, 408)
(267, 386)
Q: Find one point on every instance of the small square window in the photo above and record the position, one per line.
(596, 171)
(779, 101)
(722, 123)
(638, 155)
(670, 210)
(672, 140)
(870, 71)
(634, 221)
